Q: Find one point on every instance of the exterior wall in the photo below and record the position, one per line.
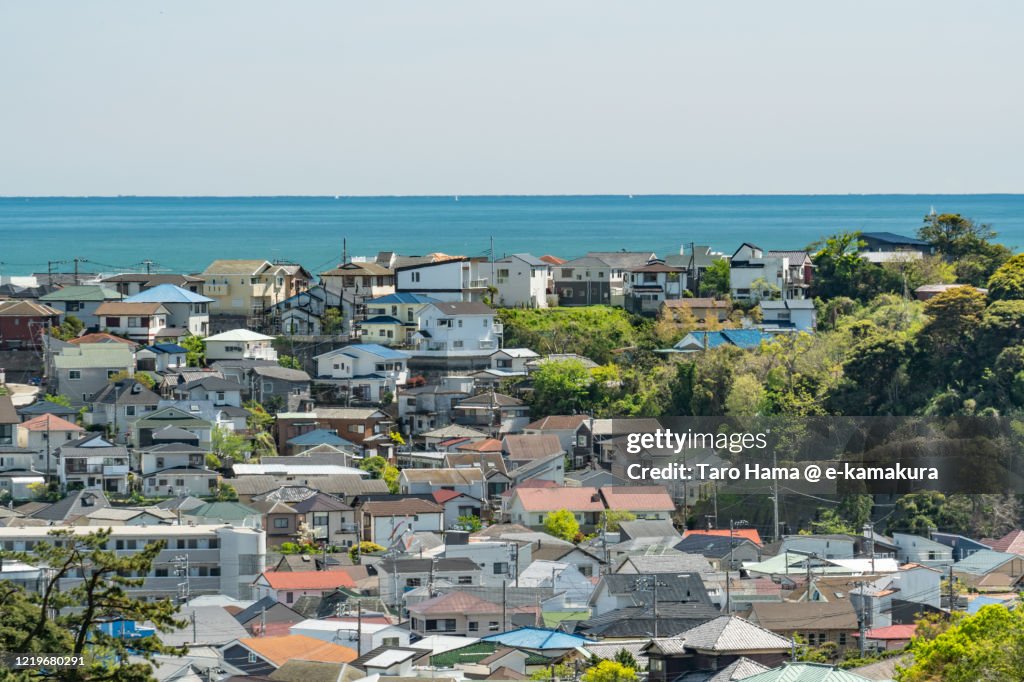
(195, 317)
(337, 527)
(521, 285)
(132, 327)
(175, 483)
(447, 281)
(457, 332)
(240, 350)
(495, 559)
(22, 331)
(380, 528)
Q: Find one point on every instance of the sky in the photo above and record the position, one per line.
(528, 97)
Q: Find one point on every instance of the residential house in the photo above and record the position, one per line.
(260, 656)
(398, 576)
(722, 552)
(388, 662)
(171, 424)
(82, 371)
(789, 315)
(457, 505)
(240, 344)
(596, 278)
(22, 323)
(990, 571)
(368, 372)
(465, 615)
(617, 591)
(302, 314)
(289, 388)
(755, 274)
(825, 546)
(354, 426)
(217, 390)
(649, 286)
(287, 586)
(562, 577)
(450, 436)
(815, 623)
(329, 519)
(250, 287)
(523, 449)
(47, 407)
(357, 282)
(512, 361)
(920, 550)
(16, 459)
(119, 404)
(588, 564)
(426, 481)
(445, 278)
(280, 520)
(162, 358)
(457, 326)
(696, 261)
(522, 281)
(93, 462)
(81, 301)
(39, 436)
(176, 468)
(531, 506)
(391, 320)
(880, 247)
(131, 283)
(425, 408)
(698, 341)
(713, 647)
(365, 635)
(383, 521)
(652, 503)
(268, 616)
(188, 311)
(492, 411)
(565, 427)
(962, 547)
(703, 312)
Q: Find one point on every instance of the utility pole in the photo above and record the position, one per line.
(359, 628)
(181, 570)
(640, 585)
(862, 619)
(952, 590)
(775, 501)
(504, 605)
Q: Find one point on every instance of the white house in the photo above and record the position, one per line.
(162, 357)
(459, 326)
(176, 468)
(212, 388)
(135, 321)
(789, 315)
(240, 344)
(94, 462)
(650, 285)
(755, 274)
(391, 320)
(385, 521)
(363, 636)
(512, 360)
(450, 279)
(522, 281)
(368, 369)
(186, 310)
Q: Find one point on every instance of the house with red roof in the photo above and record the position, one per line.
(531, 506)
(745, 533)
(287, 586)
(649, 502)
(466, 615)
(889, 638)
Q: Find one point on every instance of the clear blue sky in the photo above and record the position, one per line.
(469, 97)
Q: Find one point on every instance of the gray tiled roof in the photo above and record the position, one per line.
(732, 633)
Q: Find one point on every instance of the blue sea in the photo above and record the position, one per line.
(184, 234)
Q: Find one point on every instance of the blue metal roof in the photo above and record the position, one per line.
(166, 348)
(320, 437)
(538, 638)
(380, 351)
(893, 238)
(167, 293)
(402, 297)
(741, 338)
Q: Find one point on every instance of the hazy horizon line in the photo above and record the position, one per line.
(504, 196)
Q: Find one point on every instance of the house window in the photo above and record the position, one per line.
(842, 639)
(289, 597)
(500, 568)
(112, 322)
(390, 641)
(414, 276)
(465, 580)
(281, 523)
(492, 626)
(220, 395)
(356, 428)
(656, 664)
(74, 374)
(441, 625)
(161, 573)
(474, 626)
(252, 656)
(413, 582)
(129, 410)
(320, 519)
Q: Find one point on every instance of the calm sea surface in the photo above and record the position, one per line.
(185, 234)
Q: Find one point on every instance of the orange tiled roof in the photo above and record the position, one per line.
(101, 337)
(308, 580)
(554, 499)
(49, 422)
(748, 533)
(638, 498)
(283, 648)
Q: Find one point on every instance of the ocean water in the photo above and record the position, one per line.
(184, 234)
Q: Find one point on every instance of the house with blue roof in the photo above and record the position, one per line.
(162, 357)
(876, 243)
(697, 341)
(186, 310)
(316, 437)
(551, 642)
(391, 320)
(366, 371)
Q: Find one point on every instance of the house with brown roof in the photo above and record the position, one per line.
(135, 321)
(531, 506)
(287, 586)
(263, 655)
(816, 622)
(22, 323)
(527, 448)
(650, 285)
(385, 521)
(249, 287)
(566, 427)
(466, 615)
(650, 502)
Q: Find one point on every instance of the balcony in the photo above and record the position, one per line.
(259, 353)
(499, 328)
(115, 469)
(474, 284)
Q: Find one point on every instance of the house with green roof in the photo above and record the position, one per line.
(234, 513)
(990, 571)
(81, 301)
(81, 371)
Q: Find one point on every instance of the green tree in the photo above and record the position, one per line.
(560, 671)
(289, 362)
(625, 658)
(66, 620)
(225, 443)
(610, 519)
(561, 387)
(61, 400)
(469, 522)
(226, 493)
(714, 281)
(966, 244)
(380, 469)
(609, 671)
(918, 513)
(141, 377)
(562, 524)
(595, 332)
(213, 461)
(1008, 281)
(986, 646)
(365, 547)
(68, 329)
(330, 323)
(195, 351)
(746, 397)
(841, 271)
